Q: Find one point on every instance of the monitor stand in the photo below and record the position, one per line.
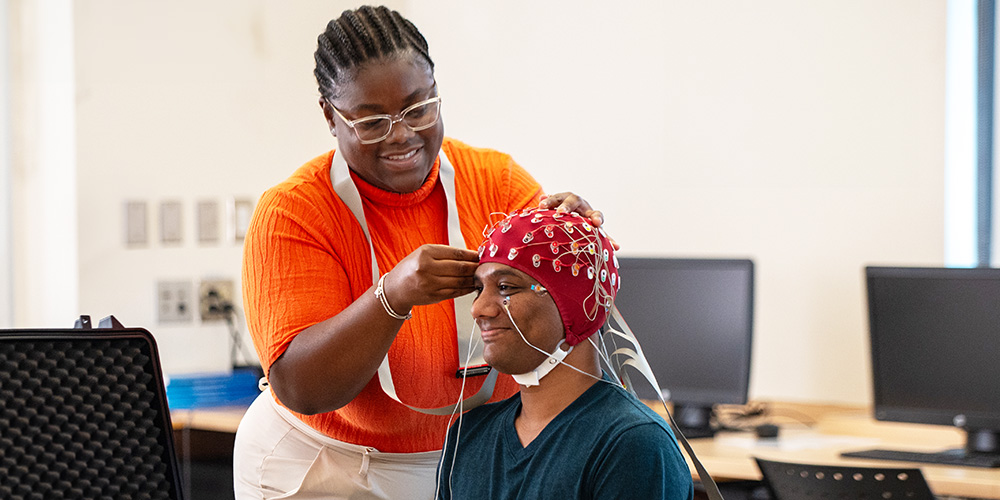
(694, 421)
(983, 441)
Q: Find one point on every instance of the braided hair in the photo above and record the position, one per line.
(360, 36)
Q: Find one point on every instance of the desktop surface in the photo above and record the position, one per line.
(831, 430)
(810, 433)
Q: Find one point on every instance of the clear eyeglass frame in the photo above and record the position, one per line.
(400, 118)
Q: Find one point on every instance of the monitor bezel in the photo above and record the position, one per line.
(884, 411)
(703, 399)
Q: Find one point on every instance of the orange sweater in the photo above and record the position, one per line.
(306, 259)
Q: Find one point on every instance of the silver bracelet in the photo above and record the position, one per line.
(380, 293)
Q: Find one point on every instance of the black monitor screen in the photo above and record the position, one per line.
(935, 335)
(693, 318)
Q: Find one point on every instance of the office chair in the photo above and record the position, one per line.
(83, 414)
(792, 481)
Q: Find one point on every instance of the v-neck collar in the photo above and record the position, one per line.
(512, 443)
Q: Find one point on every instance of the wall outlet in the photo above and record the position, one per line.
(215, 299)
(208, 221)
(242, 212)
(174, 301)
(135, 223)
(171, 228)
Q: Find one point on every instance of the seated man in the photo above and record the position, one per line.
(546, 282)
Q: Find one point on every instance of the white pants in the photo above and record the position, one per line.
(278, 456)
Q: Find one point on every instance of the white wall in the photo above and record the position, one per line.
(806, 135)
(186, 101)
(6, 220)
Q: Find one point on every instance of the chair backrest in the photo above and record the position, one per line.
(792, 481)
(83, 414)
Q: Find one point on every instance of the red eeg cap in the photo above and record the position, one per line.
(573, 260)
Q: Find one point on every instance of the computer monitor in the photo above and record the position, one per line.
(935, 346)
(694, 321)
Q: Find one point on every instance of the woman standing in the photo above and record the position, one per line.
(352, 270)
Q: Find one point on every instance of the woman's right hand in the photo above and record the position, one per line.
(329, 363)
(430, 274)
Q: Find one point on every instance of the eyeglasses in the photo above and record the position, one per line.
(376, 128)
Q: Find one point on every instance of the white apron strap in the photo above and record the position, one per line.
(464, 323)
(470, 352)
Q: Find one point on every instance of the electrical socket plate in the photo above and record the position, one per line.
(175, 301)
(208, 221)
(171, 229)
(242, 212)
(135, 223)
(215, 299)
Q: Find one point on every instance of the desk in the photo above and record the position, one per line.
(836, 429)
(730, 455)
(217, 419)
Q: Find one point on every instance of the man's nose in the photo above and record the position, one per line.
(486, 305)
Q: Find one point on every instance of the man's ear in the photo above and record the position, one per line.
(328, 114)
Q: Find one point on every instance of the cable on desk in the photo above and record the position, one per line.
(747, 417)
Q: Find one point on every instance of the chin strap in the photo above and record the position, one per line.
(535, 376)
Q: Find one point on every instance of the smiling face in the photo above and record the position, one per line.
(402, 161)
(534, 312)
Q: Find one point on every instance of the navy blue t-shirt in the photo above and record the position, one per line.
(605, 445)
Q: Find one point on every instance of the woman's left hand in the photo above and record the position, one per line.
(570, 202)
